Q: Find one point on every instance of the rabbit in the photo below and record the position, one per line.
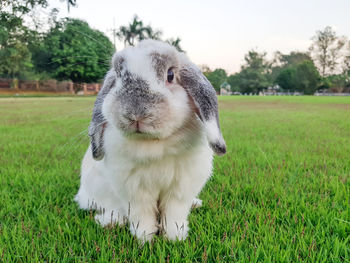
(154, 130)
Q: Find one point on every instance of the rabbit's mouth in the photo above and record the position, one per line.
(139, 129)
(138, 123)
(141, 135)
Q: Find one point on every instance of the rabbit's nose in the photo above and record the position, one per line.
(136, 117)
(136, 123)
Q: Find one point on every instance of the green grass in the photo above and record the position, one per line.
(280, 194)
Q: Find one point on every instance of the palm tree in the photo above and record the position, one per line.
(175, 43)
(71, 3)
(136, 31)
(153, 34)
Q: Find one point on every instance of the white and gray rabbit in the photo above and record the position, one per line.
(154, 130)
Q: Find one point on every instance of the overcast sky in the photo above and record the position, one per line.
(219, 33)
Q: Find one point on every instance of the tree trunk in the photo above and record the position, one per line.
(15, 84)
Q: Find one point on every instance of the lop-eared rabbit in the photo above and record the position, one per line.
(154, 130)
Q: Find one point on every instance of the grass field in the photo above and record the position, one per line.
(281, 194)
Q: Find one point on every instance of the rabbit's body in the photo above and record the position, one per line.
(152, 142)
(155, 178)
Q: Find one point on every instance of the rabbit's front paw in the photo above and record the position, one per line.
(109, 218)
(176, 230)
(144, 231)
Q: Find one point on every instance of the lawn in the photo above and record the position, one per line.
(281, 193)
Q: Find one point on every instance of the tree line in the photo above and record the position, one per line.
(69, 49)
(325, 66)
(63, 49)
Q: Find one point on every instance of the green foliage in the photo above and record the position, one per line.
(283, 61)
(15, 56)
(252, 81)
(256, 61)
(293, 58)
(234, 81)
(292, 72)
(22, 7)
(74, 51)
(137, 31)
(335, 83)
(325, 50)
(280, 194)
(302, 77)
(287, 79)
(175, 43)
(346, 61)
(216, 78)
(16, 39)
(307, 77)
(254, 73)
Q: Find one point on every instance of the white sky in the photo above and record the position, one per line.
(219, 33)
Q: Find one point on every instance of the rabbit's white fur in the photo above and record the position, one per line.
(125, 189)
(149, 182)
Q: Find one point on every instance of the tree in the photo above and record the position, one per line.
(152, 33)
(294, 58)
(234, 81)
(216, 78)
(136, 31)
(325, 50)
(307, 77)
(16, 37)
(175, 43)
(205, 68)
(252, 81)
(346, 60)
(286, 79)
(15, 56)
(284, 61)
(22, 7)
(284, 68)
(337, 83)
(254, 75)
(71, 3)
(302, 77)
(256, 61)
(72, 50)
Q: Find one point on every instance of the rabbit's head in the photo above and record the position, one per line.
(151, 92)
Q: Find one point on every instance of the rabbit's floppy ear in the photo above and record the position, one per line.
(204, 97)
(98, 122)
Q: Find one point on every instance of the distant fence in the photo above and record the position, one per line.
(332, 94)
(264, 93)
(270, 93)
(14, 85)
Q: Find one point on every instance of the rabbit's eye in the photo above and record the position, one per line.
(170, 75)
